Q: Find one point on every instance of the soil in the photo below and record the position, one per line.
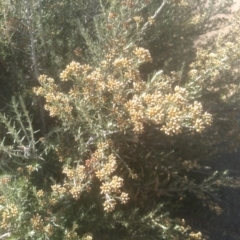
(224, 29)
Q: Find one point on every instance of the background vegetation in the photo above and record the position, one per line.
(108, 112)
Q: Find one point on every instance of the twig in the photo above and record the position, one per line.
(5, 235)
(145, 26)
(34, 60)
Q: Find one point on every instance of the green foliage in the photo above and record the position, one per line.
(131, 126)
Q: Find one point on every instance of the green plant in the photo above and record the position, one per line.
(124, 146)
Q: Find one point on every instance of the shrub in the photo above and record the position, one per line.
(122, 147)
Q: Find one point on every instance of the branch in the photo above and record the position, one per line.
(145, 26)
(34, 60)
(5, 235)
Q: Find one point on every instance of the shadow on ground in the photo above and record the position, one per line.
(225, 226)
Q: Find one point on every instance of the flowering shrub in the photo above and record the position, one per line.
(120, 141)
(114, 96)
